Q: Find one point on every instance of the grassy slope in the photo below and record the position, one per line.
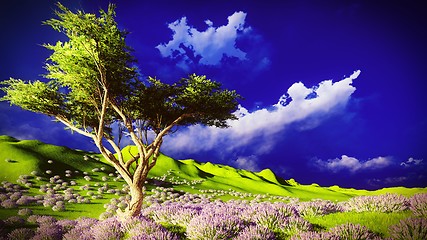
(30, 155)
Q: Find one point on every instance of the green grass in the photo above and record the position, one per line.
(22, 157)
(30, 155)
(376, 221)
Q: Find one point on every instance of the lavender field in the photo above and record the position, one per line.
(50, 192)
(174, 214)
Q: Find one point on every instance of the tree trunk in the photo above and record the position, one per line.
(135, 205)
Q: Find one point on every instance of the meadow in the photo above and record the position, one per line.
(52, 192)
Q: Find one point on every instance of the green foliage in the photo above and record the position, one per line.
(94, 83)
(33, 96)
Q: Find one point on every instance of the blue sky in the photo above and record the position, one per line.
(334, 91)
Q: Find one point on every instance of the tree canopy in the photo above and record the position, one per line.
(92, 83)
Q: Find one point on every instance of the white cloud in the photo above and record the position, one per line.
(264, 124)
(210, 45)
(352, 164)
(248, 163)
(411, 162)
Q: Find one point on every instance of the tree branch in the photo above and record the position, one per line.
(128, 124)
(74, 128)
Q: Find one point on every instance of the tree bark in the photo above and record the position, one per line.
(137, 197)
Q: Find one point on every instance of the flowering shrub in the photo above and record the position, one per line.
(410, 228)
(144, 228)
(293, 225)
(350, 231)
(82, 230)
(50, 231)
(255, 232)
(214, 226)
(110, 228)
(66, 224)
(383, 203)
(9, 203)
(21, 234)
(14, 221)
(317, 208)
(44, 220)
(173, 213)
(315, 236)
(418, 204)
(25, 200)
(25, 212)
(265, 215)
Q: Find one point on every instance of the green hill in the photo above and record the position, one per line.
(23, 157)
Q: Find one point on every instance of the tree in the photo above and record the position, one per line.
(92, 84)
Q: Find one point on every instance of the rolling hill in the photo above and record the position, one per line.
(25, 156)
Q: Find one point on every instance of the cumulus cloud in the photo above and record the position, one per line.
(412, 162)
(207, 47)
(298, 104)
(353, 164)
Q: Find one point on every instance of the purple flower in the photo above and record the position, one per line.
(9, 203)
(21, 234)
(219, 225)
(45, 220)
(25, 212)
(108, 229)
(318, 208)
(294, 225)
(315, 236)
(382, 203)
(418, 205)
(14, 220)
(352, 231)
(66, 224)
(265, 215)
(82, 230)
(255, 232)
(144, 228)
(174, 213)
(48, 231)
(159, 235)
(25, 200)
(410, 228)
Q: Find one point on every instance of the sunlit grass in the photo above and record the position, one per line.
(168, 177)
(376, 221)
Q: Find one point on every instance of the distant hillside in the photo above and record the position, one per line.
(22, 157)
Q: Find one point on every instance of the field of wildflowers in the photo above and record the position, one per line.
(50, 192)
(36, 207)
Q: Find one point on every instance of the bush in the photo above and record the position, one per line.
(21, 234)
(410, 228)
(214, 226)
(25, 212)
(418, 205)
(110, 228)
(350, 231)
(9, 203)
(14, 221)
(141, 228)
(255, 232)
(315, 236)
(82, 230)
(386, 203)
(48, 231)
(66, 224)
(317, 208)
